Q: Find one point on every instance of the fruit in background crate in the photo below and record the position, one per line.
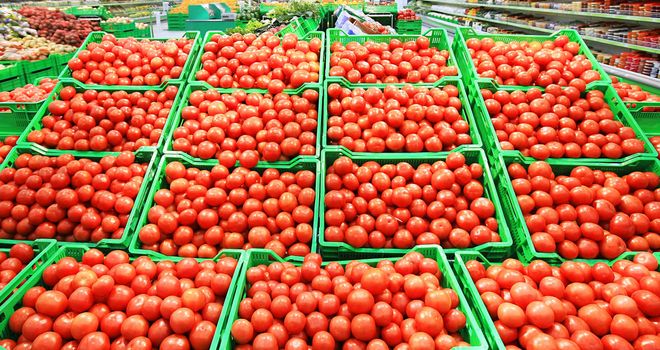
(68, 199)
(589, 213)
(58, 26)
(104, 120)
(119, 20)
(406, 119)
(108, 300)
(400, 206)
(10, 265)
(632, 92)
(655, 140)
(407, 15)
(29, 92)
(6, 145)
(573, 306)
(135, 62)
(559, 124)
(262, 62)
(200, 212)
(31, 48)
(248, 127)
(393, 305)
(532, 62)
(393, 62)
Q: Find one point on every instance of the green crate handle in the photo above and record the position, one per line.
(77, 250)
(468, 68)
(611, 97)
(65, 75)
(141, 156)
(177, 120)
(43, 248)
(437, 36)
(519, 231)
(499, 250)
(471, 333)
(36, 124)
(465, 112)
(157, 184)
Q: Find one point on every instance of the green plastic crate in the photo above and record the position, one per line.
(143, 33)
(117, 27)
(470, 72)
(76, 251)
(646, 114)
(521, 235)
(176, 21)
(16, 116)
(62, 61)
(300, 27)
(99, 11)
(141, 157)
(485, 322)
(409, 27)
(393, 8)
(43, 248)
(12, 76)
(97, 37)
(160, 183)
(342, 250)
(197, 65)
(178, 121)
(492, 144)
(35, 123)
(437, 36)
(472, 333)
(466, 111)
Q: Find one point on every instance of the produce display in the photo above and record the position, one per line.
(201, 211)
(108, 300)
(30, 48)
(400, 206)
(67, 198)
(104, 120)
(588, 213)
(57, 26)
(532, 62)
(119, 20)
(655, 140)
(406, 119)
(14, 25)
(29, 92)
(6, 145)
(248, 127)
(407, 15)
(393, 62)
(571, 306)
(559, 123)
(263, 62)
(11, 264)
(401, 304)
(137, 62)
(634, 93)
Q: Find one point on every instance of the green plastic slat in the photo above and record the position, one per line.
(516, 221)
(12, 76)
(36, 123)
(485, 322)
(465, 112)
(178, 120)
(437, 36)
(97, 37)
(341, 250)
(140, 157)
(492, 144)
(43, 248)
(110, 27)
(470, 73)
(76, 251)
(176, 21)
(159, 182)
(472, 333)
(300, 27)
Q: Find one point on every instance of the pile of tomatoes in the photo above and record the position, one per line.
(655, 140)
(559, 123)
(108, 301)
(406, 119)
(532, 62)
(248, 127)
(29, 92)
(6, 145)
(10, 265)
(400, 206)
(104, 120)
(588, 213)
(634, 93)
(67, 198)
(203, 211)
(262, 62)
(129, 61)
(574, 306)
(393, 62)
(398, 305)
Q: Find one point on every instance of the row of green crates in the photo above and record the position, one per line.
(126, 30)
(409, 27)
(19, 73)
(89, 11)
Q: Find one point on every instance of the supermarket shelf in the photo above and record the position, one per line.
(438, 22)
(543, 30)
(636, 77)
(598, 15)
